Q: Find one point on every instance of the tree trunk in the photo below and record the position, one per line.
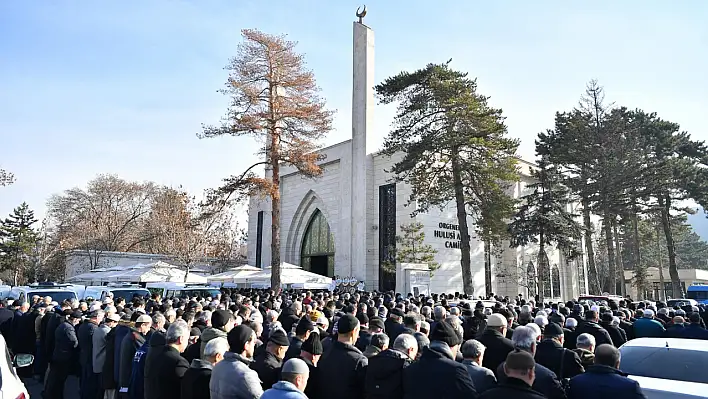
(662, 283)
(275, 218)
(607, 227)
(487, 268)
(665, 203)
(186, 274)
(619, 260)
(541, 270)
(587, 236)
(465, 259)
(638, 268)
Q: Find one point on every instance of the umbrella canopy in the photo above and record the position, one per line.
(234, 273)
(290, 275)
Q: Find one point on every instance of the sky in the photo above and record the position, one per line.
(122, 87)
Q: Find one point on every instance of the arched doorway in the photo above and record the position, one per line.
(317, 251)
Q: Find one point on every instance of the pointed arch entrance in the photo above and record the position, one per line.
(317, 251)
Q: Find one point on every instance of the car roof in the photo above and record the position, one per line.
(671, 343)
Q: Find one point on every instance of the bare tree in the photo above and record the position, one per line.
(275, 100)
(107, 216)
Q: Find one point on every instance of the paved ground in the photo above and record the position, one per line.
(71, 390)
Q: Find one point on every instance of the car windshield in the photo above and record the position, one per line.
(57, 296)
(677, 302)
(129, 293)
(676, 364)
(697, 295)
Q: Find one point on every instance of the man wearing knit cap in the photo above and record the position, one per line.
(302, 332)
(267, 363)
(343, 369)
(222, 321)
(232, 377)
(520, 370)
(293, 382)
(437, 363)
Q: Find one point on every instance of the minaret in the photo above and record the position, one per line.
(362, 118)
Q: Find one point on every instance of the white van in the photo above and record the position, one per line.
(58, 292)
(183, 290)
(119, 290)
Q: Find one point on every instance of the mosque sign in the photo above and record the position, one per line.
(450, 233)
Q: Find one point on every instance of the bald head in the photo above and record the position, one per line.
(607, 355)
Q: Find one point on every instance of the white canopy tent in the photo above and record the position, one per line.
(292, 276)
(233, 273)
(140, 273)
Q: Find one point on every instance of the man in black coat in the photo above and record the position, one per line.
(6, 319)
(494, 339)
(64, 358)
(310, 353)
(342, 369)
(590, 326)
(376, 326)
(163, 376)
(302, 333)
(437, 364)
(551, 354)
(545, 382)
(268, 363)
(519, 368)
(90, 385)
(195, 382)
(384, 375)
(290, 316)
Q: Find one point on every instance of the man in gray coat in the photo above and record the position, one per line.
(232, 378)
(473, 354)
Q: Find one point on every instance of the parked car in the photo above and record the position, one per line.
(11, 385)
(667, 368)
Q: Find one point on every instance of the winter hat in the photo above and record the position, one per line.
(295, 366)
(519, 360)
(363, 318)
(376, 322)
(445, 332)
(347, 324)
(238, 337)
(496, 320)
(552, 330)
(279, 338)
(313, 345)
(303, 326)
(220, 318)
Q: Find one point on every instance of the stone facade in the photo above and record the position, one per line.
(348, 196)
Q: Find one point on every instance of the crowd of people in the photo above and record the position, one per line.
(298, 344)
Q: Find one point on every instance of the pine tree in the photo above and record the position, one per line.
(18, 240)
(543, 219)
(411, 247)
(275, 100)
(455, 147)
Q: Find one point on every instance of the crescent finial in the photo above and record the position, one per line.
(361, 14)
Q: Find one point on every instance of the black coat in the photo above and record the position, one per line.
(437, 375)
(618, 336)
(312, 380)
(546, 382)
(54, 320)
(268, 368)
(497, 346)
(66, 353)
(85, 335)
(564, 362)
(108, 380)
(364, 340)
(628, 329)
(6, 319)
(342, 371)
(694, 331)
(570, 340)
(25, 335)
(590, 327)
(293, 349)
(192, 351)
(195, 382)
(512, 388)
(163, 376)
(384, 376)
(603, 382)
(287, 319)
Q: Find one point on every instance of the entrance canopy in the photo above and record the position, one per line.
(234, 273)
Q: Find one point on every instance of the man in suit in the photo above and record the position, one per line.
(473, 355)
(604, 379)
(163, 375)
(551, 353)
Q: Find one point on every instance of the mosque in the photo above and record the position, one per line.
(345, 222)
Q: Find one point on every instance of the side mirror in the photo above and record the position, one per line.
(23, 360)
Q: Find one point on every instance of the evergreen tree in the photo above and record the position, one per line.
(543, 219)
(411, 247)
(18, 240)
(455, 147)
